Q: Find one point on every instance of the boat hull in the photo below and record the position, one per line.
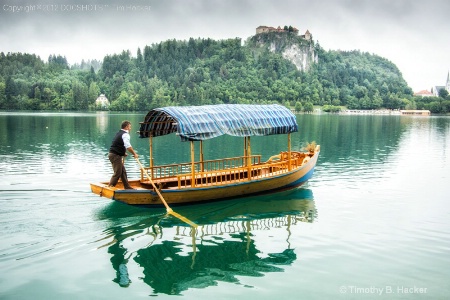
(145, 196)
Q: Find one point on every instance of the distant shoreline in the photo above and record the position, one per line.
(369, 112)
(392, 112)
(396, 112)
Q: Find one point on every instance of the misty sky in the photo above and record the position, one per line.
(413, 34)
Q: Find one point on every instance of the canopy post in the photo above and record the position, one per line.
(192, 164)
(245, 151)
(289, 152)
(249, 159)
(201, 156)
(150, 141)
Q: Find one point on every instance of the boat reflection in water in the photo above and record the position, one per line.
(175, 257)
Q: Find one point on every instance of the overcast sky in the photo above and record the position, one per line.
(413, 34)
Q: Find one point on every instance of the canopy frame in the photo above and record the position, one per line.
(198, 123)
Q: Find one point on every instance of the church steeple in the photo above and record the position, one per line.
(447, 84)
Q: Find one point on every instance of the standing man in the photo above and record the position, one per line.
(118, 149)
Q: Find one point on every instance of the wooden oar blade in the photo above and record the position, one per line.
(182, 218)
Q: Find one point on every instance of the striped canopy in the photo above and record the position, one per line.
(195, 123)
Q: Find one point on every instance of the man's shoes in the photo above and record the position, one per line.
(130, 188)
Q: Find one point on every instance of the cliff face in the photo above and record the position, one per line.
(301, 57)
(294, 48)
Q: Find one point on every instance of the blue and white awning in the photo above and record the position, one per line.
(195, 123)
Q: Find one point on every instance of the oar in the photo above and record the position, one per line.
(168, 209)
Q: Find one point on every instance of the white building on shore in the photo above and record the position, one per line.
(435, 89)
(102, 101)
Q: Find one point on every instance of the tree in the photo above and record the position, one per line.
(298, 106)
(57, 63)
(80, 96)
(121, 103)
(93, 93)
(91, 77)
(377, 101)
(331, 108)
(353, 103)
(308, 107)
(2, 95)
(435, 107)
(410, 105)
(48, 99)
(443, 93)
(37, 94)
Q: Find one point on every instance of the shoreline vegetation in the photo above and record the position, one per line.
(317, 110)
(206, 71)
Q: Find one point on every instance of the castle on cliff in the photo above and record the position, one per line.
(267, 29)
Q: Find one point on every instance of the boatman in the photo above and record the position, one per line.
(117, 151)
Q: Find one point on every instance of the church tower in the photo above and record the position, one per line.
(447, 84)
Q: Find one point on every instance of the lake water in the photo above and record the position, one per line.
(373, 222)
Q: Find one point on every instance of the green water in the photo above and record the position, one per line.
(373, 222)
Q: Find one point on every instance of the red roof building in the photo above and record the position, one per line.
(424, 93)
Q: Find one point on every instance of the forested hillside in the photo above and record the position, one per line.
(205, 71)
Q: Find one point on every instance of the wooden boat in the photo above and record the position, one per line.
(206, 180)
